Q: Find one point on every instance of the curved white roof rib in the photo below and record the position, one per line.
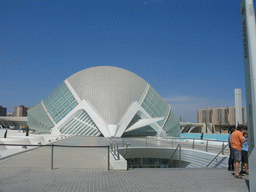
(110, 101)
(109, 89)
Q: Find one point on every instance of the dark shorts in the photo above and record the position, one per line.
(244, 156)
(237, 155)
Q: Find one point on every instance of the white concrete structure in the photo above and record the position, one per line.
(107, 101)
(13, 122)
(249, 42)
(188, 127)
(238, 106)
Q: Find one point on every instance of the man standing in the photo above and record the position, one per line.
(231, 158)
(237, 140)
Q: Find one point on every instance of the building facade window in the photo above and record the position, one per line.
(60, 102)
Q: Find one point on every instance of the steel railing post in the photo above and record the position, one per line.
(146, 142)
(206, 149)
(223, 148)
(193, 146)
(108, 158)
(118, 156)
(180, 156)
(126, 149)
(52, 158)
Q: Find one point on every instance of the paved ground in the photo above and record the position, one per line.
(36, 179)
(18, 174)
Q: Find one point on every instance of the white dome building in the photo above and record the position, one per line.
(107, 101)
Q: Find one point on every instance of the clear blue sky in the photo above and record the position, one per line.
(189, 51)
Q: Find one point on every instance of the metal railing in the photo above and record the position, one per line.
(52, 146)
(217, 155)
(114, 150)
(171, 160)
(208, 145)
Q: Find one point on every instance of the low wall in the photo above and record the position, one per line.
(193, 158)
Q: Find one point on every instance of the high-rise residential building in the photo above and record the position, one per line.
(220, 115)
(9, 114)
(20, 111)
(3, 110)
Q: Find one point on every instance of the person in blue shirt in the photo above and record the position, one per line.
(231, 159)
(244, 160)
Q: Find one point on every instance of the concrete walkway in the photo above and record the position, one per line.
(189, 180)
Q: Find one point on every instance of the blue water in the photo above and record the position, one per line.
(219, 137)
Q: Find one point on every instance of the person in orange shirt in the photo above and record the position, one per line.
(237, 140)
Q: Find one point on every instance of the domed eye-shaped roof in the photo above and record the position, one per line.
(109, 89)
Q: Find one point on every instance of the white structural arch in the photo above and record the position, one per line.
(106, 101)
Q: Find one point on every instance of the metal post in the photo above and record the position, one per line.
(118, 155)
(123, 141)
(206, 146)
(126, 149)
(193, 144)
(52, 158)
(172, 142)
(180, 156)
(223, 148)
(146, 142)
(108, 159)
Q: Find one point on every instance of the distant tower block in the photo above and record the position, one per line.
(238, 106)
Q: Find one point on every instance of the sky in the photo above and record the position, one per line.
(189, 51)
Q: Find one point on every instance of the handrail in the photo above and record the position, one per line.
(114, 150)
(53, 145)
(173, 154)
(29, 145)
(126, 149)
(217, 155)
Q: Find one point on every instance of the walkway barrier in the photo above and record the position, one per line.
(186, 158)
(56, 156)
(208, 145)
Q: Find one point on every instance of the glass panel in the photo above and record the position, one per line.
(59, 110)
(60, 96)
(65, 104)
(54, 101)
(155, 98)
(65, 91)
(62, 100)
(159, 107)
(149, 111)
(73, 105)
(57, 93)
(57, 120)
(144, 105)
(63, 114)
(71, 99)
(146, 102)
(149, 97)
(54, 115)
(56, 105)
(68, 110)
(51, 110)
(153, 102)
(152, 107)
(157, 112)
(68, 95)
